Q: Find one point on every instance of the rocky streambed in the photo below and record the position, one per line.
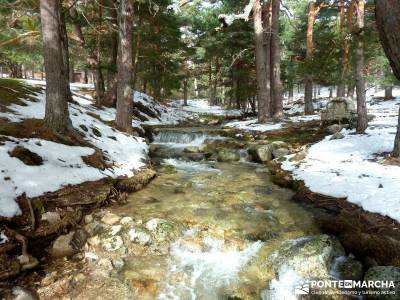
(211, 225)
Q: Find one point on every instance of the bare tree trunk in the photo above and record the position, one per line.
(185, 92)
(196, 88)
(123, 119)
(350, 90)
(215, 82)
(362, 121)
(340, 92)
(71, 71)
(92, 57)
(313, 11)
(210, 84)
(57, 115)
(389, 93)
(291, 92)
(388, 23)
(262, 65)
(276, 83)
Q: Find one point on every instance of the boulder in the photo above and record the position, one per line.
(338, 109)
(68, 244)
(309, 257)
(299, 156)
(280, 152)
(227, 155)
(110, 218)
(334, 128)
(384, 273)
(261, 153)
(192, 149)
(337, 136)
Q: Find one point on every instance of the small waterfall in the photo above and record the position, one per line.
(180, 137)
(205, 273)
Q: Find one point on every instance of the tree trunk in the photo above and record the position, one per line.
(388, 23)
(276, 83)
(92, 57)
(330, 92)
(56, 115)
(71, 71)
(262, 65)
(196, 88)
(389, 93)
(123, 119)
(350, 90)
(313, 11)
(210, 84)
(340, 92)
(215, 82)
(362, 121)
(185, 92)
(291, 92)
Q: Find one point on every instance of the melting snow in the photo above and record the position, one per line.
(350, 168)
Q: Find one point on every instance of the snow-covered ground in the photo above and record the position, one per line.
(351, 167)
(253, 125)
(201, 106)
(63, 164)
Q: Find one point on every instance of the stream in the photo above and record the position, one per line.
(234, 218)
(203, 230)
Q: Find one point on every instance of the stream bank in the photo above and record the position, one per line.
(212, 225)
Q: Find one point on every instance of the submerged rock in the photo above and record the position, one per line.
(227, 155)
(162, 229)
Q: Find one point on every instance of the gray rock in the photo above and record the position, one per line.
(261, 153)
(384, 273)
(280, 144)
(338, 109)
(192, 149)
(280, 152)
(51, 217)
(337, 136)
(62, 246)
(88, 219)
(299, 156)
(110, 218)
(309, 257)
(333, 128)
(227, 155)
(113, 243)
(139, 236)
(162, 229)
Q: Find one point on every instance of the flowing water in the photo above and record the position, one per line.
(233, 219)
